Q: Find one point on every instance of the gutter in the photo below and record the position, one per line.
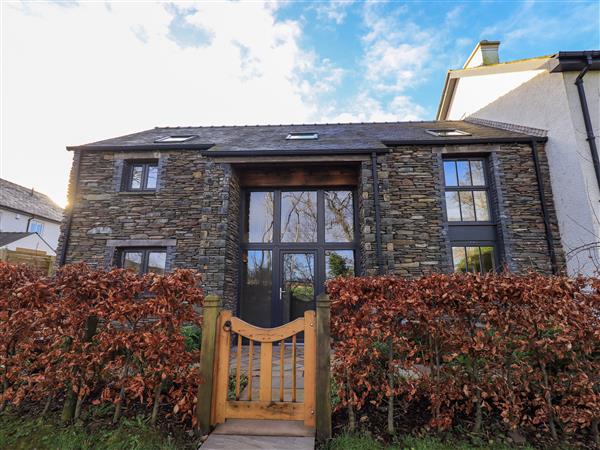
(156, 147)
(378, 245)
(586, 117)
(542, 195)
(77, 166)
(466, 141)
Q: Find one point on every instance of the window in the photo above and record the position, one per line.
(175, 139)
(141, 176)
(302, 136)
(473, 259)
(36, 227)
(447, 132)
(471, 228)
(144, 260)
(466, 191)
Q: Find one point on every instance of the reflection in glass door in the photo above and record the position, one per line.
(297, 289)
(292, 242)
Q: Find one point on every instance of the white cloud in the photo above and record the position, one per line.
(334, 10)
(366, 108)
(79, 74)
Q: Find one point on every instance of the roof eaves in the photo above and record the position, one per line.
(307, 152)
(33, 215)
(137, 147)
(464, 141)
(446, 97)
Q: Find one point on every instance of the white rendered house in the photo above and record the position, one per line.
(23, 211)
(559, 95)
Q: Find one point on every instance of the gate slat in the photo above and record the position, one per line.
(250, 356)
(293, 368)
(266, 356)
(238, 367)
(281, 368)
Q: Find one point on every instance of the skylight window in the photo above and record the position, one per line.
(444, 132)
(177, 138)
(302, 136)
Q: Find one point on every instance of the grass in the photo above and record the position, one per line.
(132, 434)
(364, 442)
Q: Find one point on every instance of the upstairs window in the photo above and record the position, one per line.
(141, 176)
(36, 227)
(466, 191)
(144, 260)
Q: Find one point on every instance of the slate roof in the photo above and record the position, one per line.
(8, 237)
(29, 201)
(350, 137)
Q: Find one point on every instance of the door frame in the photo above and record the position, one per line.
(277, 247)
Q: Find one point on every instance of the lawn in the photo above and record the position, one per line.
(363, 442)
(18, 433)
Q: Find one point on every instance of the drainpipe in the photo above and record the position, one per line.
(67, 232)
(586, 118)
(542, 194)
(378, 250)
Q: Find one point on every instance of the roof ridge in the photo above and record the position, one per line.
(290, 125)
(538, 132)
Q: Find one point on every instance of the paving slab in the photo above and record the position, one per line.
(258, 427)
(230, 442)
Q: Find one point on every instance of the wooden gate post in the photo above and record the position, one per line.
(323, 388)
(210, 315)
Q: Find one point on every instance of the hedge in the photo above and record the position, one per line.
(91, 337)
(519, 351)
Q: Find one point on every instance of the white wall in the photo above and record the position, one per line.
(549, 101)
(472, 93)
(31, 242)
(11, 221)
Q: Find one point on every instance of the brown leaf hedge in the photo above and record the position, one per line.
(90, 337)
(485, 350)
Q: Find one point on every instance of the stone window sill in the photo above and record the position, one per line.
(148, 193)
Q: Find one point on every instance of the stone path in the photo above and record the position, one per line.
(237, 434)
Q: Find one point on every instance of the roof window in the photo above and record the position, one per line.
(177, 138)
(302, 136)
(444, 132)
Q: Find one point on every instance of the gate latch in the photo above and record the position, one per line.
(227, 325)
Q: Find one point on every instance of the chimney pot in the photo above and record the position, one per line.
(484, 54)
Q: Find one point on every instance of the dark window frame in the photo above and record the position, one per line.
(128, 175)
(472, 233)
(277, 247)
(145, 251)
(472, 188)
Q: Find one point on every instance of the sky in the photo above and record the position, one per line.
(77, 72)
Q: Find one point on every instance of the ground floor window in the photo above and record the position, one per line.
(478, 259)
(143, 260)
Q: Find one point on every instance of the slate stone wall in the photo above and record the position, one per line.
(195, 212)
(414, 224)
(191, 212)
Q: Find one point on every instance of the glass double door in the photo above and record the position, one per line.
(293, 241)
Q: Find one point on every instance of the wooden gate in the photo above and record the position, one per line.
(240, 402)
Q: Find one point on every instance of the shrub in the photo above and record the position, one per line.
(520, 350)
(99, 337)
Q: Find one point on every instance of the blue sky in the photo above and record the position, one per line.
(338, 31)
(77, 72)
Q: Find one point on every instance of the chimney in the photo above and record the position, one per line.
(484, 54)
